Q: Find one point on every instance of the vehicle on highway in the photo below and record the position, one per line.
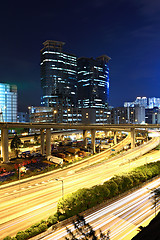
(55, 160)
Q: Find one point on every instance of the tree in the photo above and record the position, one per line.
(83, 230)
(155, 195)
(15, 144)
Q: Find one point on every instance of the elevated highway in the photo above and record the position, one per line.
(29, 201)
(46, 127)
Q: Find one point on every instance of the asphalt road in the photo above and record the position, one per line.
(29, 202)
(122, 217)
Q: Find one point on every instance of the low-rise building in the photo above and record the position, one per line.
(123, 115)
(69, 115)
(22, 117)
(53, 115)
(152, 116)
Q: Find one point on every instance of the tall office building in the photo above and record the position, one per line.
(8, 103)
(58, 76)
(93, 82)
(141, 101)
(153, 102)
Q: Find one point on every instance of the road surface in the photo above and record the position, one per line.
(29, 202)
(121, 217)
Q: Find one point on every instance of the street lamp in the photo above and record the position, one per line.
(62, 187)
(55, 116)
(68, 110)
(19, 175)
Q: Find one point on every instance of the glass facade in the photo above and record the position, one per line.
(93, 82)
(153, 102)
(58, 76)
(8, 103)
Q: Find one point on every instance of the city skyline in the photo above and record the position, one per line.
(126, 31)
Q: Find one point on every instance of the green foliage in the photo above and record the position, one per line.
(86, 198)
(140, 175)
(112, 186)
(52, 220)
(22, 235)
(62, 217)
(135, 178)
(42, 227)
(32, 231)
(15, 144)
(100, 192)
(127, 183)
(7, 238)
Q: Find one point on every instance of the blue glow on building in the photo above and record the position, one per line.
(93, 82)
(8, 103)
(58, 76)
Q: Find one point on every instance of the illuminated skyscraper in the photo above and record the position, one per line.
(93, 82)
(58, 76)
(8, 103)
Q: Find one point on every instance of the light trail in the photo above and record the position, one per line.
(28, 200)
(121, 217)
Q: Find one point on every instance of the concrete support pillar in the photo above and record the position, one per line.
(93, 134)
(42, 141)
(4, 143)
(62, 137)
(132, 138)
(115, 137)
(85, 138)
(107, 133)
(48, 142)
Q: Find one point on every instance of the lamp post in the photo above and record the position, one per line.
(19, 175)
(68, 110)
(54, 112)
(62, 187)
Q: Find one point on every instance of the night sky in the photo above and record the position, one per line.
(128, 31)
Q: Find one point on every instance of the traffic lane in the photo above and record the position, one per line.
(50, 196)
(85, 163)
(121, 219)
(52, 190)
(25, 221)
(44, 187)
(93, 181)
(5, 193)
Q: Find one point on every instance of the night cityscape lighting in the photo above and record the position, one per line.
(127, 31)
(79, 118)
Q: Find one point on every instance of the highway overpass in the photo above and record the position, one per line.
(47, 127)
